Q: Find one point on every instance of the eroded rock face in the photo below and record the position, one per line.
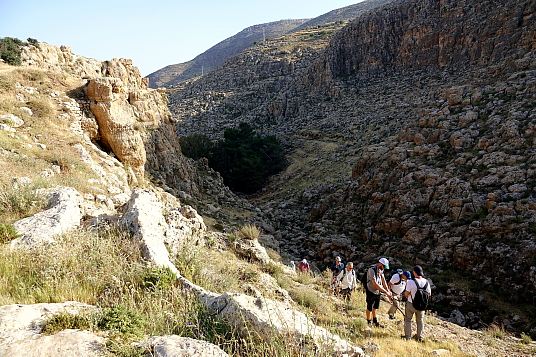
(59, 59)
(135, 124)
(144, 217)
(431, 33)
(63, 215)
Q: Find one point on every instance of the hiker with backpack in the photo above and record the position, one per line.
(417, 292)
(304, 267)
(336, 269)
(375, 286)
(397, 285)
(348, 281)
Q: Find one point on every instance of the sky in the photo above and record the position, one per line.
(153, 33)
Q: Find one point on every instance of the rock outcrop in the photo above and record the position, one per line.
(61, 59)
(63, 215)
(144, 217)
(20, 332)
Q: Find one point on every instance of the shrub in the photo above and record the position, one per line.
(245, 159)
(161, 278)
(249, 231)
(10, 50)
(120, 318)
(525, 339)
(196, 146)
(20, 200)
(496, 331)
(65, 321)
(33, 41)
(7, 233)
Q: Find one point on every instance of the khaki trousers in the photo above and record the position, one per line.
(419, 316)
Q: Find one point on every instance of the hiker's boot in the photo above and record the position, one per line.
(369, 322)
(392, 316)
(376, 323)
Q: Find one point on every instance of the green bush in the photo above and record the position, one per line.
(33, 41)
(121, 319)
(66, 321)
(161, 278)
(10, 50)
(7, 233)
(246, 160)
(196, 146)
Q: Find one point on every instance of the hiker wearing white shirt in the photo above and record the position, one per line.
(397, 285)
(410, 293)
(347, 280)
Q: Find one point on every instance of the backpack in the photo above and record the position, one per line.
(363, 278)
(420, 301)
(399, 281)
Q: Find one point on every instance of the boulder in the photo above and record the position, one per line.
(20, 332)
(63, 215)
(144, 218)
(175, 346)
(266, 317)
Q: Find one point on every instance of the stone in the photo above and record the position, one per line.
(175, 346)
(12, 120)
(265, 317)
(440, 352)
(20, 332)
(143, 217)
(63, 215)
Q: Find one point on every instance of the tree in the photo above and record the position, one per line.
(196, 146)
(245, 159)
(10, 49)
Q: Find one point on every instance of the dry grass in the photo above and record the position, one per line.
(249, 231)
(21, 156)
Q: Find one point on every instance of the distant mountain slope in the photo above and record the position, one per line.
(170, 75)
(344, 13)
(216, 55)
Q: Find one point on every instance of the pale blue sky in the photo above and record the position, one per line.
(153, 33)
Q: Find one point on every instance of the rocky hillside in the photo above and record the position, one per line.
(108, 257)
(343, 14)
(409, 136)
(171, 75)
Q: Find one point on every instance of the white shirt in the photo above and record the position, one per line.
(347, 279)
(397, 289)
(412, 288)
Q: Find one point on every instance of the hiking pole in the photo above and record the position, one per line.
(391, 301)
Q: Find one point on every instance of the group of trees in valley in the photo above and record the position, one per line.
(244, 158)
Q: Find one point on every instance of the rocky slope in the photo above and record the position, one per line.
(410, 136)
(171, 75)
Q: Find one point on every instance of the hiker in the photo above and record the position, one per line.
(348, 281)
(304, 267)
(412, 289)
(375, 286)
(292, 265)
(397, 285)
(335, 268)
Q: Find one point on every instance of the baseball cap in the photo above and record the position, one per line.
(418, 270)
(338, 259)
(407, 274)
(385, 263)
